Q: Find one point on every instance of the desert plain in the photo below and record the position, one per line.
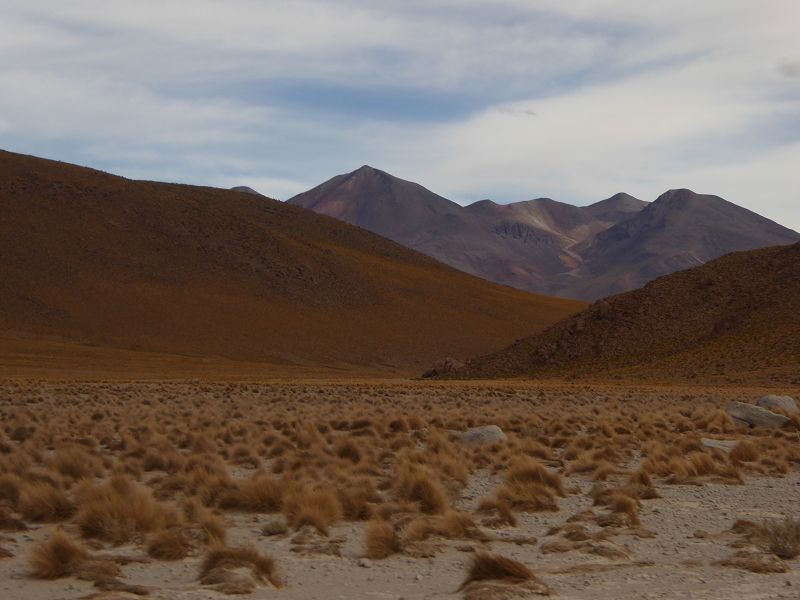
(369, 488)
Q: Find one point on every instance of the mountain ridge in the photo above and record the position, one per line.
(734, 319)
(547, 246)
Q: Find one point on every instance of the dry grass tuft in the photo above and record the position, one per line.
(529, 471)
(318, 507)
(782, 538)
(119, 510)
(258, 494)
(419, 486)
(43, 503)
(381, 540)
(745, 451)
(59, 556)
(755, 562)
(492, 567)
(451, 525)
(621, 503)
(169, 544)
(220, 559)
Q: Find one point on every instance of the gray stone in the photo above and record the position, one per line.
(772, 402)
(487, 434)
(724, 445)
(755, 415)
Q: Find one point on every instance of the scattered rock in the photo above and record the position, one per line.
(772, 402)
(365, 563)
(724, 445)
(487, 434)
(755, 415)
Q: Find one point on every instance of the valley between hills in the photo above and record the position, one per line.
(207, 393)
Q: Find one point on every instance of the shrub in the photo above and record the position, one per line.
(169, 544)
(220, 559)
(318, 507)
(41, 502)
(118, 510)
(498, 568)
(782, 538)
(745, 451)
(419, 486)
(380, 540)
(56, 557)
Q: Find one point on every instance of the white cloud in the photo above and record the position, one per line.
(574, 99)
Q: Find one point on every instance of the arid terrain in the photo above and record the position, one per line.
(732, 320)
(371, 489)
(99, 272)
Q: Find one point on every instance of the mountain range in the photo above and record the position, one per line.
(615, 245)
(733, 320)
(101, 270)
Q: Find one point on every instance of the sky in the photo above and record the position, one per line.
(501, 99)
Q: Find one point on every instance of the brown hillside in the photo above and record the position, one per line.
(735, 319)
(96, 269)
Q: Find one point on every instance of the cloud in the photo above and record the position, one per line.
(508, 99)
(791, 68)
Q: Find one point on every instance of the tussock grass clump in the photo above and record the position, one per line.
(419, 485)
(318, 507)
(119, 510)
(782, 538)
(260, 494)
(58, 556)
(745, 451)
(527, 471)
(44, 503)
(451, 525)
(526, 496)
(492, 567)
(75, 463)
(221, 561)
(381, 540)
(755, 562)
(169, 544)
(349, 450)
(621, 503)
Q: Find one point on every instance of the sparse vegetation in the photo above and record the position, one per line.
(169, 473)
(782, 538)
(58, 556)
(493, 567)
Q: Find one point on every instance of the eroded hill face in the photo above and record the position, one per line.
(590, 252)
(96, 264)
(736, 319)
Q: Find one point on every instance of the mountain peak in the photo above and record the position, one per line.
(245, 189)
(616, 208)
(678, 194)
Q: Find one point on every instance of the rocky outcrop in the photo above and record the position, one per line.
(755, 416)
(773, 402)
(487, 434)
(724, 445)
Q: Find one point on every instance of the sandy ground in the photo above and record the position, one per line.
(690, 524)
